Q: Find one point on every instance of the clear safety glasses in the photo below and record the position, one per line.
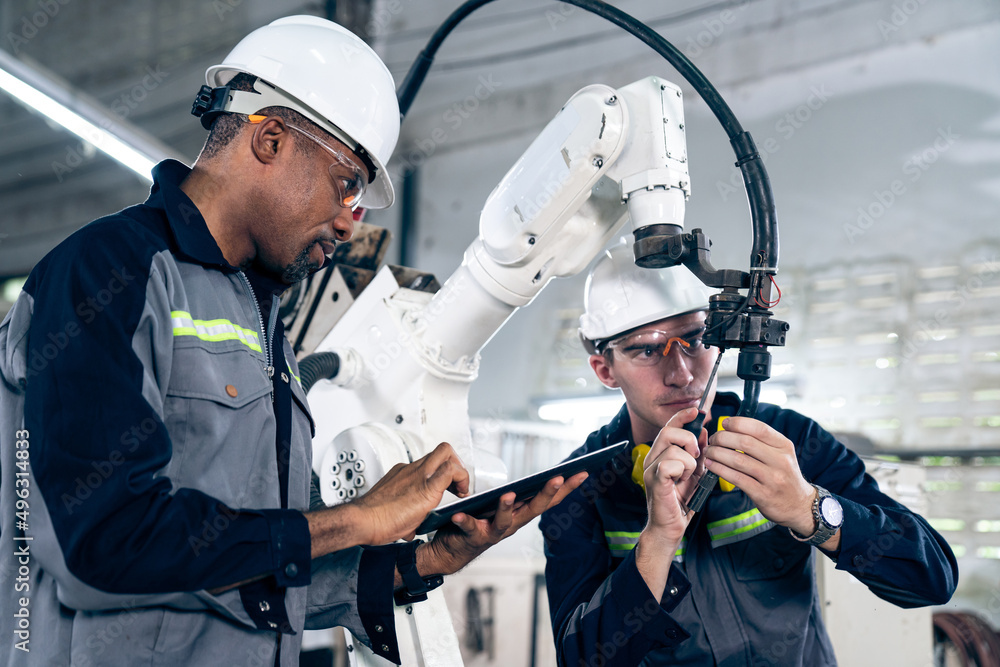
(647, 348)
(347, 177)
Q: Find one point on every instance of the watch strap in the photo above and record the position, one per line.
(824, 531)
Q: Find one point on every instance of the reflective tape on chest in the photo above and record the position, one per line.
(740, 527)
(213, 330)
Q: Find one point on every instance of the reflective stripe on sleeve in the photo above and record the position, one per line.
(621, 542)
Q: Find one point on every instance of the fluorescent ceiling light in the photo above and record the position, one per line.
(25, 83)
(78, 125)
(583, 409)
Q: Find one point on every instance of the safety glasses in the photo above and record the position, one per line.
(647, 348)
(347, 176)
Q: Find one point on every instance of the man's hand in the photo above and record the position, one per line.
(394, 507)
(670, 478)
(761, 462)
(455, 547)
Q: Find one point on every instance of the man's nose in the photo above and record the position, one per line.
(343, 224)
(676, 368)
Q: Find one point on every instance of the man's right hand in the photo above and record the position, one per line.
(669, 476)
(394, 507)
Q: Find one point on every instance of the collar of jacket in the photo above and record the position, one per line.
(194, 240)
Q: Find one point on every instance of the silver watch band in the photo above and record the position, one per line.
(824, 531)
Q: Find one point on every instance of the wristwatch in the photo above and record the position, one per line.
(415, 587)
(829, 517)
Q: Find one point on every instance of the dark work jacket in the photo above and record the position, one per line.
(741, 591)
(155, 428)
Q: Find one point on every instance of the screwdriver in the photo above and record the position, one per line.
(709, 479)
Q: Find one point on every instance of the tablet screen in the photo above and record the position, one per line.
(483, 505)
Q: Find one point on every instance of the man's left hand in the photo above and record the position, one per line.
(761, 462)
(455, 547)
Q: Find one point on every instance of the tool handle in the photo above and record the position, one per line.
(701, 493)
(708, 480)
(695, 425)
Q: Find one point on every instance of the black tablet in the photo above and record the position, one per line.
(484, 505)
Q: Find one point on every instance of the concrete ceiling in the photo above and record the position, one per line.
(145, 60)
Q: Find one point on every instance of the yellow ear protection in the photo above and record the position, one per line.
(723, 484)
(639, 464)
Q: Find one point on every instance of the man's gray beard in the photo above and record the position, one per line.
(300, 268)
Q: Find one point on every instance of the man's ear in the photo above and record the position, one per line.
(270, 137)
(605, 372)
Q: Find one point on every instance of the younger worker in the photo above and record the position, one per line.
(632, 578)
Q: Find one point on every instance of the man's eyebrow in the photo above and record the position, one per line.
(697, 330)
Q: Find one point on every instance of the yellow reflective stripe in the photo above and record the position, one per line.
(625, 541)
(213, 330)
(297, 378)
(740, 530)
(734, 528)
(621, 540)
(734, 519)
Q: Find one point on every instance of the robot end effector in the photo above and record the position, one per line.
(656, 199)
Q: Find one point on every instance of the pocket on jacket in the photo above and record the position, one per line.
(221, 424)
(769, 555)
(232, 378)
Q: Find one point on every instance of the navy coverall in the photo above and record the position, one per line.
(741, 590)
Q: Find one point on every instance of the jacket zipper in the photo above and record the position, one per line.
(263, 331)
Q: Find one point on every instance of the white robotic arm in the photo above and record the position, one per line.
(607, 154)
(409, 357)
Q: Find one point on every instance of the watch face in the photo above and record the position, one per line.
(833, 513)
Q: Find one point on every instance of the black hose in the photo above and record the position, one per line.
(418, 71)
(319, 366)
(751, 397)
(764, 249)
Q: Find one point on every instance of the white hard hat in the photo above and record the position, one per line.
(621, 296)
(329, 75)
